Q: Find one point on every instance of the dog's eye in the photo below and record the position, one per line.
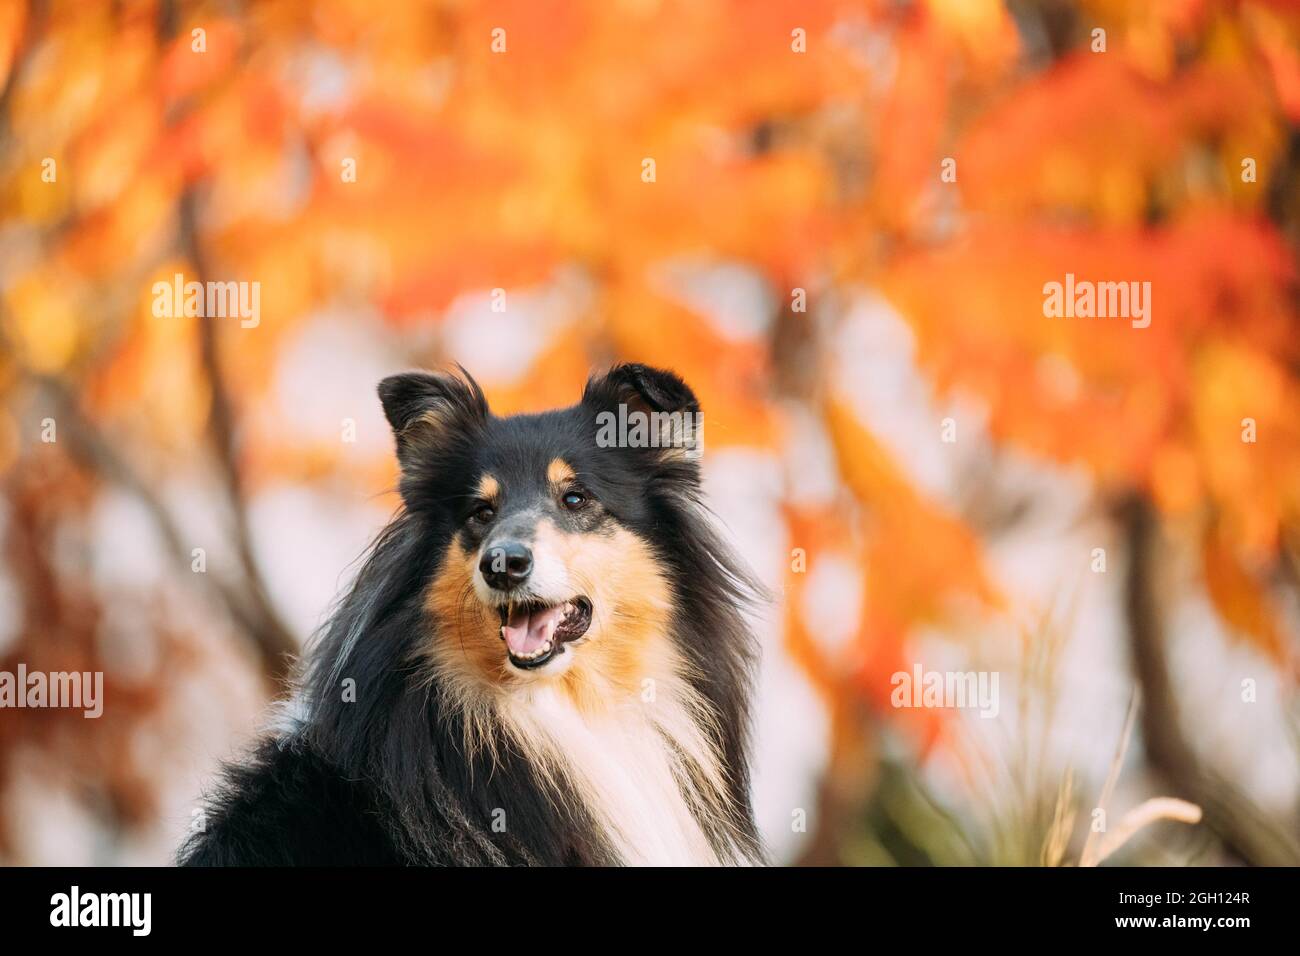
(573, 500)
(484, 513)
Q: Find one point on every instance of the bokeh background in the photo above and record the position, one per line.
(840, 240)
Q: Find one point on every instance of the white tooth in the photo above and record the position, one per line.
(540, 652)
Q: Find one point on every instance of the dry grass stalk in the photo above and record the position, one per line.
(1098, 847)
(1147, 812)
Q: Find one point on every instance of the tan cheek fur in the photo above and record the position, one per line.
(466, 629)
(627, 642)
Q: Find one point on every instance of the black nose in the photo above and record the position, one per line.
(506, 565)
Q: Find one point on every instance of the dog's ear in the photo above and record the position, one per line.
(426, 408)
(642, 407)
(643, 387)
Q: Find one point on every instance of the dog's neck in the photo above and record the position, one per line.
(645, 766)
(627, 767)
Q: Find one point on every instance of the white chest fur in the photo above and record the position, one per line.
(625, 770)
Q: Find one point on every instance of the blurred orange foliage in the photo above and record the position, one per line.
(505, 145)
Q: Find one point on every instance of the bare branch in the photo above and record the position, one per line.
(89, 447)
(1245, 829)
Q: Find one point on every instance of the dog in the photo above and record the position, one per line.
(544, 658)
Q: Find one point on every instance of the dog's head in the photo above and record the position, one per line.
(556, 526)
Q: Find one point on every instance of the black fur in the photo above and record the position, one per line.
(383, 779)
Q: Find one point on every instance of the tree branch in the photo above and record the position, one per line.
(1245, 829)
(269, 629)
(87, 446)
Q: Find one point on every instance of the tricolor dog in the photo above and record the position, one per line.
(543, 659)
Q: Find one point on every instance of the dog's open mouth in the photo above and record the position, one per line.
(535, 632)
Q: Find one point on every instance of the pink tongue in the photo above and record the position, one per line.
(525, 632)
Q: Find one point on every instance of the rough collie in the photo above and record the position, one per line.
(543, 659)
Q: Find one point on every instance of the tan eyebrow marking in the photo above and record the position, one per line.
(488, 487)
(558, 471)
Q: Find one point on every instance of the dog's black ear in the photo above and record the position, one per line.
(649, 389)
(425, 408)
(643, 407)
